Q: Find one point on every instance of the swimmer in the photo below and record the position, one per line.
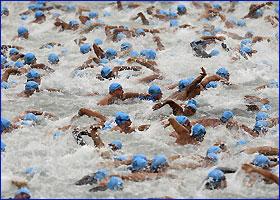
(108, 73)
(39, 17)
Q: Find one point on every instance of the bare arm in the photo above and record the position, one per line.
(181, 130)
(150, 78)
(212, 78)
(177, 109)
(129, 95)
(92, 113)
(266, 150)
(8, 72)
(96, 138)
(98, 51)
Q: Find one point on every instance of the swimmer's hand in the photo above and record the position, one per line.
(203, 72)
(144, 127)
(248, 168)
(98, 188)
(95, 128)
(157, 106)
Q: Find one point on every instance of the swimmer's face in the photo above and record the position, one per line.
(22, 196)
(25, 35)
(216, 185)
(118, 93)
(158, 97)
(189, 111)
(29, 92)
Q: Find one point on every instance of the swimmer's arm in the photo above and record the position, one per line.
(143, 18)
(248, 168)
(105, 101)
(119, 5)
(195, 82)
(8, 72)
(83, 19)
(157, 40)
(227, 170)
(181, 130)
(177, 109)
(221, 38)
(42, 66)
(212, 78)
(129, 95)
(248, 130)
(266, 150)
(19, 184)
(150, 78)
(273, 121)
(172, 86)
(122, 68)
(96, 138)
(53, 90)
(144, 127)
(98, 51)
(92, 113)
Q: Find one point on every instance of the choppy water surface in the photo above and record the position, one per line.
(60, 162)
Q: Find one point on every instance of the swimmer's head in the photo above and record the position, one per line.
(73, 23)
(53, 58)
(3, 59)
(184, 83)
(241, 22)
(30, 117)
(214, 149)
(139, 32)
(31, 86)
(39, 14)
(5, 85)
(29, 58)
(261, 161)
(114, 87)
(212, 84)
(106, 71)
(198, 132)
(223, 72)
(190, 108)
(216, 179)
(227, 115)
(183, 120)
(158, 162)
(122, 118)
(245, 49)
(261, 126)
(214, 52)
(100, 174)
(116, 145)
(85, 48)
(246, 41)
(155, 92)
(22, 191)
(120, 36)
(13, 51)
(149, 54)
(139, 155)
(134, 54)
(212, 156)
(92, 14)
(115, 183)
(120, 157)
(259, 13)
(110, 53)
(217, 6)
(71, 8)
(4, 10)
(23, 32)
(3, 146)
(181, 9)
(5, 124)
(262, 116)
(138, 164)
(125, 46)
(273, 84)
(104, 61)
(192, 101)
(98, 41)
(173, 23)
(33, 75)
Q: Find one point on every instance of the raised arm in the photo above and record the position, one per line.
(212, 78)
(92, 113)
(181, 130)
(8, 72)
(96, 138)
(177, 109)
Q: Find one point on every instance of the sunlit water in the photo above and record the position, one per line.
(60, 162)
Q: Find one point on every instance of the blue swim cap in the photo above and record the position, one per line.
(4, 9)
(30, 170)
(157, 162)
(120, 36)
(192, 101)
(246, 41)
(100, 174)
(214, 149)
(154, 90)
(19, 64)
(217, 5)
(223, 72)
(212, 84)
(266, 107)
(3, 146)
(214, 52)
(31, 7)
(172, 14)
(241, 22)
(92, 14)
(38, 13)
(98, 41)
(134, 54)
(71, 7)
(192, 106)
(218, 29)
(32, 74)
(106, 13)
(5, 85)
(115, 183)
(121, 158)
(22, 30)
(105, 71)
(212, 156)
(184, 83)
(226, 116)
(261, 125)
(117, 144)
(30, 117)
(150, 54)
(57, 134)
(259, 12)
(3, 59)
(53, 58)
(139, 155)
(138, 164)
(114, 86)
(73, 22)
(245, 49)
(206, 33)
(23, 190)
(85, 48)
(261, 116)
(181, 9)
(181, 119)
(110, 53)
(125, 46)
(163, 12)
(29, 58)
(104, 61)
(216, 175)
(261, 161)
(173, 23)
(13, 51)
(31, 85)
(5, 123)
(139, 31)
(273, 84)
(121, 118)
(198, 131)
(241, 142)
